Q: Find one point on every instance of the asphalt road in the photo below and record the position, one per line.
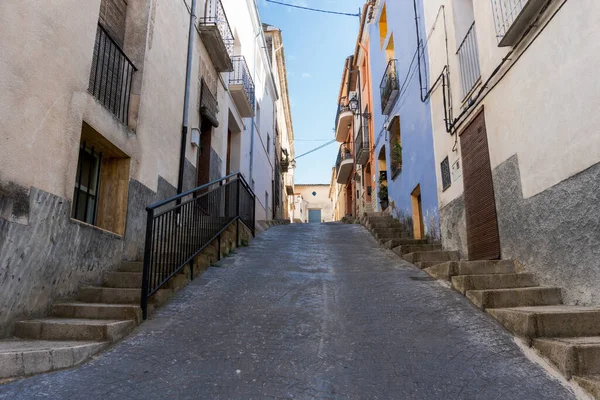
(308, 312)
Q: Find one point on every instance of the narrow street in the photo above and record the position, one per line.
(308, 311)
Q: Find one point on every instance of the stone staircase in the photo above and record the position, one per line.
(568, 336)
(98, 317)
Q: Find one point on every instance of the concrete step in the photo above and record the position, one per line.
(28, 357)
(590, 383)
(549, 321)
(131, 266)
(109, 295)
(572, 356)
(384, 225)
(386, 231)
(73, 329)
(123, 279)
(447, 270)
(392, 243)
(463, 283)
(442, 256)
(98, 311)
(515, 297)
(405, 249)
(428, 264)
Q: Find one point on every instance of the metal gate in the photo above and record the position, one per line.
(483, 241)
(314, 216)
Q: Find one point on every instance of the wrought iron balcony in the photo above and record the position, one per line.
(209, 107)
(285, 161)
(241, 87)
(361, 143)
(111, 75)
(217, 35)
(513, 17)
(468, 58)
(344, 163)
(343, 120)
(389, 88)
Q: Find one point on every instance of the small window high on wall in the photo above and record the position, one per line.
(383, 26)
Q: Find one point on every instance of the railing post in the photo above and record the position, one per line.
(237, 212)
(147, 262)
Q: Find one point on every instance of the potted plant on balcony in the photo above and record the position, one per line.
(383, 196)
(347, 152)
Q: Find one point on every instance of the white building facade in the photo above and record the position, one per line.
(516, 137)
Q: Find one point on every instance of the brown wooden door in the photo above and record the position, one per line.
(204, 155)
(483, 241)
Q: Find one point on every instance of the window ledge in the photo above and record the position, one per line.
(94, 227)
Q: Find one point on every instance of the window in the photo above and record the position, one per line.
(257, 116)
(101, 183)
(268, 144)
(395, 147)
(85, 198)
(446, 178)
(383, 26)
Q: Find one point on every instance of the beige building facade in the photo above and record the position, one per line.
(91, 104)
(316, 202)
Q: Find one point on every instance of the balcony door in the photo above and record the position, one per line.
(483, 241)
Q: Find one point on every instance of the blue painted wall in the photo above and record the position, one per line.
(418, 165)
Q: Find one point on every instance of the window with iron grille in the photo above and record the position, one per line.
(85, 198)
(446, 177)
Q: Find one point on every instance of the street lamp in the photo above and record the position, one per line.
(354, 106)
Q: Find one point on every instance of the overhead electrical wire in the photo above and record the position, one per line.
(314, 9)
(315, 149)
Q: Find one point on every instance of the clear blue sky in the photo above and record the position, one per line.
(316, 46)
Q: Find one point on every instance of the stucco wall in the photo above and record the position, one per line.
(49, 258)
(554, 234)
(418, 165)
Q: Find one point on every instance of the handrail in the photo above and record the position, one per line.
(177, 235)
(192, 191)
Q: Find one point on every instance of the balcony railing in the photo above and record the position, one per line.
(344, 153)
(361, 143)
(111, 75)
(468, 58)
(219, 41)
(389, 88)
(513, 17)
(241, 77)
(343, 118)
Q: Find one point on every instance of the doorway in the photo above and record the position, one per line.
(314, 216)
(483, 241)
(417, 213)
(204, 154)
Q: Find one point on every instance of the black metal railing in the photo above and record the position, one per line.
(344, 153)
(214, 14)
(361, 141)
(241, 76)
(111, 75)
(179, 228)
(343, 106)
(389, 88)
(468, 58)
(208, 101)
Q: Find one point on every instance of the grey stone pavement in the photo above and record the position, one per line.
(308, 312)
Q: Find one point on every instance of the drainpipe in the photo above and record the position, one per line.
(252, 127)
(186, 98)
